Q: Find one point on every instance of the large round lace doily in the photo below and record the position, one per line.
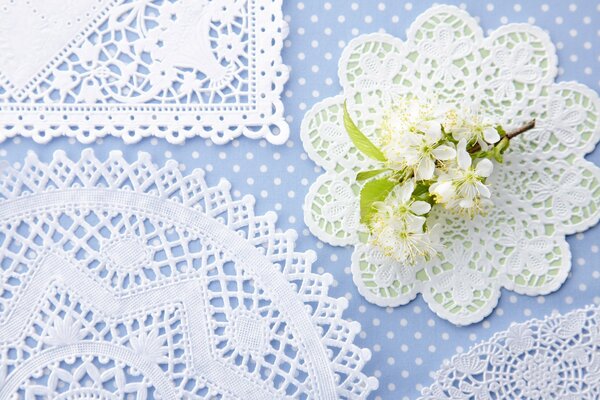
(122, 280)
(556, 358)
(543, 191)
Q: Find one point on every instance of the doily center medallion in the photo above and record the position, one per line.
(126, 279)
(543, 191)
(171, 69)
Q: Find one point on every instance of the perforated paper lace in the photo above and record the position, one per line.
(556, 358)
(124, 280)
(543, 191)
(136, 68)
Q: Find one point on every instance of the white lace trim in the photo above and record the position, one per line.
(544, 190)
(556, 358)
(124, 279)
(132, 69)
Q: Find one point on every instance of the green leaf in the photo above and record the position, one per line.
(364, 175)
(359, 139)
(421, 188)
(421, 192)
(375, 190)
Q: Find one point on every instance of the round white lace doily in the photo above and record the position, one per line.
(543, 191)
(125, 280)
(556, 358)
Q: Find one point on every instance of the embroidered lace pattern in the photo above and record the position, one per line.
(556, 358)
(125, 280)
(544, 190)
(136, 68)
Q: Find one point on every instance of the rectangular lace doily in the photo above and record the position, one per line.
(133, 68)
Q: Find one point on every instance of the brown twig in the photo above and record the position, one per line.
(509, 135)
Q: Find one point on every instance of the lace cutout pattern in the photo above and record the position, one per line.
(132, 68)
(544, 190)
(127, 280)
(556, 358)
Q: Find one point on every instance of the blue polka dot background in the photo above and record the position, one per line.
(408, 343)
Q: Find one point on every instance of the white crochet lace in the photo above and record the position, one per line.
(556, 358)
(122, 280)
(136, 68)
(543, 191)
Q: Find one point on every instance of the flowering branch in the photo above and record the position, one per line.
(424, 159)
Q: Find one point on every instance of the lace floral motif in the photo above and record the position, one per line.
(126, 280)
(543, 191)
(552, 359)
(133, 68)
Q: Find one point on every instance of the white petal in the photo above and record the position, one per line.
(405, 192)
(444, 153)
(432, 129)
(461, 133)
(483, 190)
(420, 207)
(425, 169)
(415, 224)
(443, 190)
(484, 168)
(462, 156)
(466, 203)
(491, 135)
(382, 207)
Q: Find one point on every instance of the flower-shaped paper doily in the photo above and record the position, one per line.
(555, 358)
(543, 191)
(124, 280)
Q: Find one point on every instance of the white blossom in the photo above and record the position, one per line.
(470, 125)
(462, 187)
(398, 227)
(413, 139)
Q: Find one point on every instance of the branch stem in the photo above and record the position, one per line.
(510, 134)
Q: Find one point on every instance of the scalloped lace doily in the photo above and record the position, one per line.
(543, 191)
(122, 280)
(556, 358)
(136, 68)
